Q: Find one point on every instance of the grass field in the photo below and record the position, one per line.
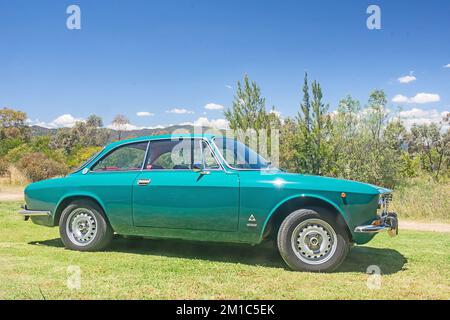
(423, 199)
(34, 265)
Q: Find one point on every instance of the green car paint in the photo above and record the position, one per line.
(225, 204)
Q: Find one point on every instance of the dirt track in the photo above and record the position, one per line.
(10, 196)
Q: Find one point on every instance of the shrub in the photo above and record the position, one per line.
(8, 144)
(3, 167)
(37, 166)
(15, 154)
(80, 154)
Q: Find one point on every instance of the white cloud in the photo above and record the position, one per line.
(407, 79)
(130, 127)
(124, 127)
(180, 111)
(63, 121)
(400, 99)
(421, 116)
(419, 98)
(229, 87)
(425, 98)
(213, 123)
(447, 66)
(144, 114)
(214, 106)
(66, 121)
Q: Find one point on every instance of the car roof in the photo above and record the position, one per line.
(160, 137)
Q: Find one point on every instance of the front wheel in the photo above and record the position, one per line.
(312, 241)
(83, 227)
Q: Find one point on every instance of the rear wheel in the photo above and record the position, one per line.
(312, 240)
(83, 227)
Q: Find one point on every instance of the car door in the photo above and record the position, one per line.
(111, 179)
(172, 192)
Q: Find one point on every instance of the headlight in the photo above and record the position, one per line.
(383, 202)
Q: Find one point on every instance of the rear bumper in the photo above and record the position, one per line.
(387, 222)
(26, 214)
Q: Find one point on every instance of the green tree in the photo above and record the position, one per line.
(83, 134)
(248, 113)
(377, 115)
(248, 110)
(94, 121)
(347, 140)
(314, 132)
(13, 124)
(368, 147)
(433, 147)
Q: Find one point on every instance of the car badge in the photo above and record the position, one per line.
(252, 221)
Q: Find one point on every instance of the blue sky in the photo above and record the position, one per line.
(169, 59)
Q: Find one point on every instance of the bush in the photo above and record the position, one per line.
(8, 144)
(15, 154)
(37, 166)
(80, 154)
(3, 167)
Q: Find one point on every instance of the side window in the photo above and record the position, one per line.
(127, 158)
(180, 154)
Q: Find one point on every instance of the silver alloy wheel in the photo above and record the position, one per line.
(314, 241)
(81, 226)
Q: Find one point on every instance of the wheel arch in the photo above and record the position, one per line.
(65, 201)
(290, 204)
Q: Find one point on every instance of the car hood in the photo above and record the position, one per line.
(311, 182)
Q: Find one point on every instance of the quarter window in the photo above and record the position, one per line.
(126, 158)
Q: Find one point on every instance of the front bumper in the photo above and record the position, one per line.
(26, 214)
(387, 222)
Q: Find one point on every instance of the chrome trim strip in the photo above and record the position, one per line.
(371, 228)
(34, 213)
(144, 163)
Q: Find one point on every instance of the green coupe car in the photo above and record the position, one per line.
(209, 188)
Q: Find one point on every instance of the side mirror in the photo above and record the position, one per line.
(198, 167)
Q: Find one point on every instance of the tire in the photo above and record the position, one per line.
(313, 240)
(83, 227)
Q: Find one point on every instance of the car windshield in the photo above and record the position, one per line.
(239, 156)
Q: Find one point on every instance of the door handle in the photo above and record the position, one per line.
(144, 182)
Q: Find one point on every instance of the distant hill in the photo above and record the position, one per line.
(41, 131)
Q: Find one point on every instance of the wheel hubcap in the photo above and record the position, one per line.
(81, 226)
(314, 241)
